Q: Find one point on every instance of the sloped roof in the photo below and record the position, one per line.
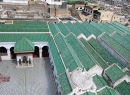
(107, 91)
(108, 30)
(72, 1)
(116, 46)
(104, 53)
(57, 59)
(120, 39)
(89, 93)
(54, 29)
(73, 29)
(97, 26)
(91, 28)
(69, 58)
(114, 73)
(25, 26)
(114, 28)
(93, 52)
(65, 86)
(82, 55)
(63, 28)
(122, 26)
(81, 28)
(127, 36)
(14, 37)
(99, 81)
(123, 88)
(24, 45)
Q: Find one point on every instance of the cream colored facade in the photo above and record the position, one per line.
(106, 16)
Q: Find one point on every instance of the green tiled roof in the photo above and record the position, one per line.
(53, 28)
(123, 88)
(116, 46)
(114, 28)
(25, 26)
(91, 28)
(99, 81)
(14, 37)
(109, 30)
(72, 1)
(24, 45)
(127, 36)
(121, 29)
(122, 26)
(70, 60)
(82, 29)
(93, 52)
(63, 28)
(120, 39)
(89, 93)
(83, 56)
(127, 73)
(104, 53)
(98, 27)
(107, 91)
(114, 73)
(65, 86)
(58, 63)
(73, 29)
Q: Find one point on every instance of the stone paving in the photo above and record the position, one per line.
(37, 80)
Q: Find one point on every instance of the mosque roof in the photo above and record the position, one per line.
(24, 45)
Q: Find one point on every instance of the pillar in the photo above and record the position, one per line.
(40, 52)
(8, 52)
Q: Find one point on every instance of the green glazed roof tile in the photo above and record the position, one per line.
(123, 88)
(69, 58)
(84, 57)
(58, 63)
(82, 29)
(89, 93)
(24, 45)
(99, 81)
(65, 85)
(116, 46)
(25, 26)
(73, 29)
(114, 73)
(91, 28)
(93, 52)
(53, 28)
(104, 53)
(107, 91)
(14, 37)
(63, 28)
(120, 39)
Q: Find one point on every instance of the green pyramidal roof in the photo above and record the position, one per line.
(24, 45)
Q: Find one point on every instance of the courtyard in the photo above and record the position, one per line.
(36, 80)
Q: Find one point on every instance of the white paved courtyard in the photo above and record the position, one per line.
(37, 80)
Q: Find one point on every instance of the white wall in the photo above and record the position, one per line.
(126, 78)
(95, 70)
(16, 1)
